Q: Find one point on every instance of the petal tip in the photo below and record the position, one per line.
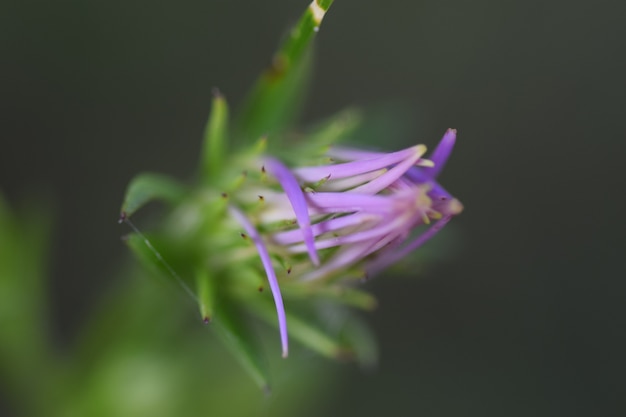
(455, 207)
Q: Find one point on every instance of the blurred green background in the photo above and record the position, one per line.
(525, 316)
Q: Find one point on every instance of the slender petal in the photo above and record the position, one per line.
(269, 270)
(391, 258)
(333, 225)
(346, 256)
(296, 197)
(351, 154)
(371, 233)
(343, 203)
(344, 184)
(441, 153)
(393, 174)
(349, 169)
(421, 176)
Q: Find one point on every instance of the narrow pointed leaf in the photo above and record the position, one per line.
(215, 139)
(274, 99)
(148, 187)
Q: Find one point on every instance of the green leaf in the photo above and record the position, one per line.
(275, 98)
(215, 139)
(147, 187)
(233, 329)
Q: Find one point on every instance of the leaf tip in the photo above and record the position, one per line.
(217, 94)
(318, 13)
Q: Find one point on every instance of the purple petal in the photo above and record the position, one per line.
(393, 174)
(393, 257)
(389, 226)
(350, 202)
(349, 169)
(333, 225)
(269, 270)
(441, 153)
(350, 255)
(346, 256)
(348, 183)
(298, 202)
(351, 154)
(419, 175)
(422, 176)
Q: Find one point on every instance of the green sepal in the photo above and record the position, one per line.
(215, 140)
(147, 187)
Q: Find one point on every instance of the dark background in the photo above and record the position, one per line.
(526, 318)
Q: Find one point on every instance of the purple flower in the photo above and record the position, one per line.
(352, 217)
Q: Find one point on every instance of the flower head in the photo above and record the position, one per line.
(308, 217)
(352, 216)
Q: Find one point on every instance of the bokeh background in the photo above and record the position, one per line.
(524, 315)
